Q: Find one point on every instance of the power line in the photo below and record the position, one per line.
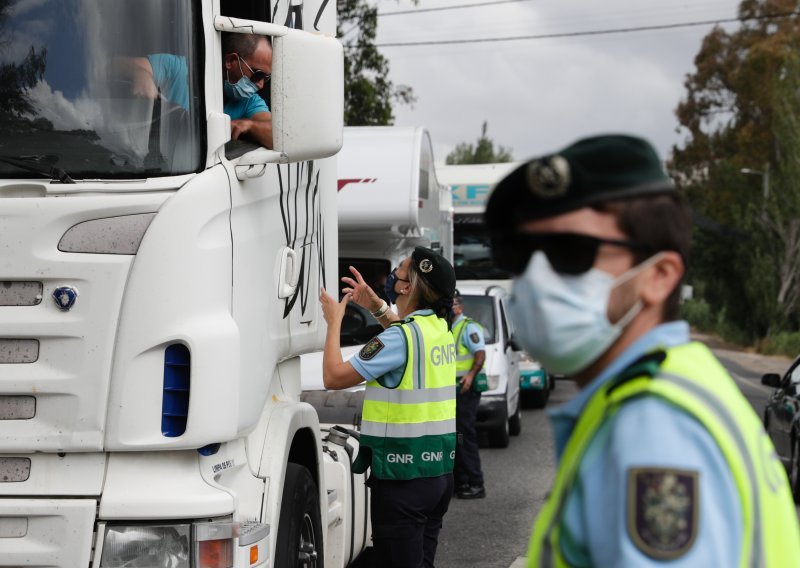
(445, 8)
(587, 33)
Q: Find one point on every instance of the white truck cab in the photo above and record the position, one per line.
(157, 286)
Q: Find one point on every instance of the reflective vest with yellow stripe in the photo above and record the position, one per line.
(693, 380)
(464, 359)
(411, 430)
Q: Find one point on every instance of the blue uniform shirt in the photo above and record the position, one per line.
(646, 432)
(389, 362)
(472, 337)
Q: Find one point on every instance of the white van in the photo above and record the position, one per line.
(499, 412)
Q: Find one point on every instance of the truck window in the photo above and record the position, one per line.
(68, 100)
(472, 257)
(358, 325)
(481, 309)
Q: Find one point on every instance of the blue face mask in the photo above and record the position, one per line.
(561, 320)
(242, 90)
(388, 288)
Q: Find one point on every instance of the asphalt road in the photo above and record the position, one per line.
(494, 532)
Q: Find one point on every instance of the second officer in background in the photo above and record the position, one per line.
(470, 356)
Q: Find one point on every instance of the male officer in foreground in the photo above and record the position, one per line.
(661, 458)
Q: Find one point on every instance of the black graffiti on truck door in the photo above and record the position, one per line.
(305, 215)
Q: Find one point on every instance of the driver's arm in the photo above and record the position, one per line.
(257, 128)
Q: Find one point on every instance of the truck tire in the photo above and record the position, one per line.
(499, 436)
(515, 422)
(299, 542)
(539, 398)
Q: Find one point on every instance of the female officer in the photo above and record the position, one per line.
(408, 433)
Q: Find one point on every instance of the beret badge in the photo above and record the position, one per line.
(549, 177)
(425, 265)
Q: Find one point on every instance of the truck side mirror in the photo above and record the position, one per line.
(307, 95)
(512, 342)
(771, 380)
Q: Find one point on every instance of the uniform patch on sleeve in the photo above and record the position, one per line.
(371, 349)
(662, 511)
(474, 337)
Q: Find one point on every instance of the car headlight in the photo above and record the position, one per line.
(147, 546)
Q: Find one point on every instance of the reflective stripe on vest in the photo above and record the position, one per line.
(464, 359)
(411, 429)
(692, 379)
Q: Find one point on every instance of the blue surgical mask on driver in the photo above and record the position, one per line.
(388, 288)
(242, 90)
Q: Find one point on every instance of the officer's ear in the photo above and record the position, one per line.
(660, 279)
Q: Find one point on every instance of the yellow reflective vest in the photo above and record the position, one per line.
(692, 379)
(464, 358)
(410, 430)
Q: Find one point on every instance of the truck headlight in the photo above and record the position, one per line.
(494, 381)
(147, 546)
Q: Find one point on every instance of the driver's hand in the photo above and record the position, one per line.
(361, 292)
(239, 127)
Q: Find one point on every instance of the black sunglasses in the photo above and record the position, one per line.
(256, 74)
(568, 253)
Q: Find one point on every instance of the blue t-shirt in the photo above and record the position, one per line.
(645, 433)
(385, 361)
(171, 75)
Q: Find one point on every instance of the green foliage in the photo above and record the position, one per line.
(784, 343)
(482, 152)
(368, 92)
(699, 315)
(742, 111)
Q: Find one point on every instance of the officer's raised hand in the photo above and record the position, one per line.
(361, 292)
(333, 311)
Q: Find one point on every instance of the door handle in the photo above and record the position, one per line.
(288, 272)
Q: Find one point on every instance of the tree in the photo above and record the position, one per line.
(368, 92)
(482, 152)
(741, 112)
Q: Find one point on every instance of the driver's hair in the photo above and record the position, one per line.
(243, 44)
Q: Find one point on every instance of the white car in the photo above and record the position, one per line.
(499, 413)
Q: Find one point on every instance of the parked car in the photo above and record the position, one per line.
(499, 413)
(782, 420)
(535, 382)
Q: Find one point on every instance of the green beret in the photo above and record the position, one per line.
(590, 171)
(435, 270)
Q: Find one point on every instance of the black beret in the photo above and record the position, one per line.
(435, 270)
(592, 170)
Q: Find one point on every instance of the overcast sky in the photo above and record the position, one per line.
(540, 95)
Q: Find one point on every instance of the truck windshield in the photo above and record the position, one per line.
(99, 88)
(481, 309)
(471, 252)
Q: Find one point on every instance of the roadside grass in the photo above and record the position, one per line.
(700, 316)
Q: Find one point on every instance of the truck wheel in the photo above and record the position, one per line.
(299, 542)
(515, 422)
